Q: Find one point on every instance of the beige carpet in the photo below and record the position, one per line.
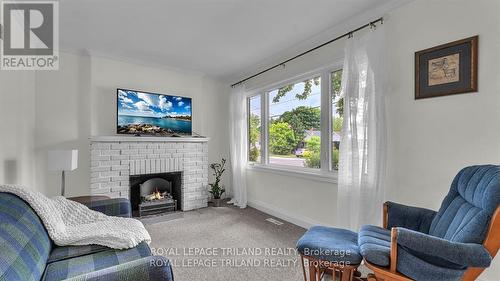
(227, 243)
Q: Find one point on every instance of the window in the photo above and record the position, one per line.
(337, 112)
(254, 128)
(297, 125)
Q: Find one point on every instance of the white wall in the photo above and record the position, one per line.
(296, 200)
(63, 122)
(62, 109)
(429, 140)
(17, 107)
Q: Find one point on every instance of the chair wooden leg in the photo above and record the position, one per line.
(318, 268)
(346, 275)
(312, 271)
(303, 267)
(318, 272)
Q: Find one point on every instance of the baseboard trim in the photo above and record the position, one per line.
(304, 222)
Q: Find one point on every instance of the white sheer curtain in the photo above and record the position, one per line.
(238, 145)
(362, 148)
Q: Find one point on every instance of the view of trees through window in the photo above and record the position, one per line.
(254, 125)
(295, 124)
(337, 112)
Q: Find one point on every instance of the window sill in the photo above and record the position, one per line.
(309, 174)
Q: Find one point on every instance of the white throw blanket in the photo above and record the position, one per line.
(71, 223)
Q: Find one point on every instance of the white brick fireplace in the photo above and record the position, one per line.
(115, 158)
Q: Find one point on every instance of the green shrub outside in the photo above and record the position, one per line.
(254, 154)
(335, 159)
(281, 138)
(313, 159)
(312, 155)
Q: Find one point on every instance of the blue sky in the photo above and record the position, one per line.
(151, 105)
(289, 101)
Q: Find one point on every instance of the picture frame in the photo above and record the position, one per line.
(447, 69)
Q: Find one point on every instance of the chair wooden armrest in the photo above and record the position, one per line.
(385, 215)
(491, 243)
(394, 250)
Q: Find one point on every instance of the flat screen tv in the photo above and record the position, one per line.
(143, 113)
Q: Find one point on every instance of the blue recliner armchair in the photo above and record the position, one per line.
(455, 243)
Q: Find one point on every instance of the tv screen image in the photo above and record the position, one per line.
(143, 113)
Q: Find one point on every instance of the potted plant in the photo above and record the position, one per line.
(215, 188)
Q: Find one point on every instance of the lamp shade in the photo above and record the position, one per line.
(63, 160)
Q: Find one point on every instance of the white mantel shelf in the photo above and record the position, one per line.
(146, 139)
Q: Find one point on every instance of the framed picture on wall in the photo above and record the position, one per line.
(447, 69)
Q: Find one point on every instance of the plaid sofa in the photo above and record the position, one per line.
(27, 253)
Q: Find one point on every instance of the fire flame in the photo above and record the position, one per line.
(157, 195)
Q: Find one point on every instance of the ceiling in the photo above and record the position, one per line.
(222, 38)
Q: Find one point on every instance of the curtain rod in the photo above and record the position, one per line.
(370, 24)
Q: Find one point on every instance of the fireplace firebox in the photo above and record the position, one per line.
(152, 194)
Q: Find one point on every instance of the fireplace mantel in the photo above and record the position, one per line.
(123, 138)
(114, 159)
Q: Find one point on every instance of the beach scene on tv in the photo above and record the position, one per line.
(141, 113)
